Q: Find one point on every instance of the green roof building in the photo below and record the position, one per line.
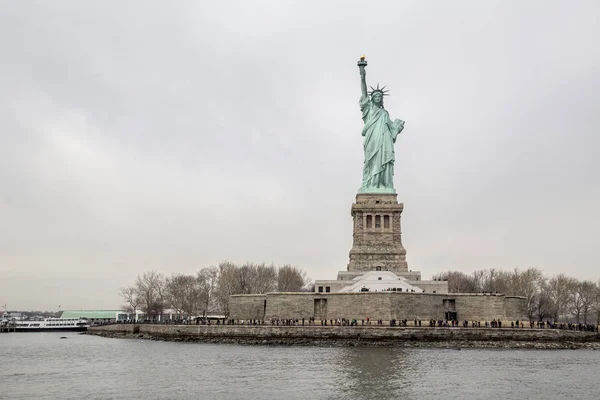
(97, 315)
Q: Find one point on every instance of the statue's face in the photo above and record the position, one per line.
(377, 97)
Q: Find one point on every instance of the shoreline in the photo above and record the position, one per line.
(439, 338)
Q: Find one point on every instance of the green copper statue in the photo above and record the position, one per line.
(380, 135)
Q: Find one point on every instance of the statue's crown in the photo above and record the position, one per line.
(382, 90)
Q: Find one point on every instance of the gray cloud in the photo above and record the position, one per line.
(141, 136)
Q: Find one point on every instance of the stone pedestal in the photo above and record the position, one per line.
(377, 235)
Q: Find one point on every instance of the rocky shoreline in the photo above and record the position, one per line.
(456, 344)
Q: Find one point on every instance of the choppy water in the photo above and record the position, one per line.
(43, 366)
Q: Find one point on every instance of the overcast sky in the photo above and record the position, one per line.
(174, 135)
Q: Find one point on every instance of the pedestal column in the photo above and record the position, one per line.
(377, 235)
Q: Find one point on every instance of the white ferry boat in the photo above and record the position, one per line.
(53, 324)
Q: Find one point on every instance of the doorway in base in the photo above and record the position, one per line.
(320, 309)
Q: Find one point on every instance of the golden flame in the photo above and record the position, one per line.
(362, 58)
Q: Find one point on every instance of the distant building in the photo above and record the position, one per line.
(98, 316)
(106, 316)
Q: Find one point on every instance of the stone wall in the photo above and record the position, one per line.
(251, 306)
(516, 308)
(378, 305)
(374, 306)
(290, 305)
(417, 306)
(480, 307)
(375, 334)
(420, 306)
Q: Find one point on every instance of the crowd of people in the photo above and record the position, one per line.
(563, 325)
(433, 323)
(495, 323)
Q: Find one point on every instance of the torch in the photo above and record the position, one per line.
(362, 63)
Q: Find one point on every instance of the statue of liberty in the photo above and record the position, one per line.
(380, 134)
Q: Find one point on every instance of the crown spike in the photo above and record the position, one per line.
(379, 89)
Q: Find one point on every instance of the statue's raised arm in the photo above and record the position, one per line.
(363, 77)
(380, 134)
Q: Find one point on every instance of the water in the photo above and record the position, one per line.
(43, 366)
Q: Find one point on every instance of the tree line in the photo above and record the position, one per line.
(557, 298)
(208, 291)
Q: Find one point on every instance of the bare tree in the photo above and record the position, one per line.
(182, 293)
(583, 299)
(495, 281)
(161, 300)
(245, 278)
(528, 284)
(227, 285)
(576, 306)
(544, 306)
(175, 291)
(208, 280)
(254, 278)
(194, 296)
(458, 282)
(290, 279)
(131, 300)
(149, 287)
(597, 303)
(212, 287)
(266, 278)
(559, 289)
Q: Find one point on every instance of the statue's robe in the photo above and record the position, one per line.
(380, 133)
